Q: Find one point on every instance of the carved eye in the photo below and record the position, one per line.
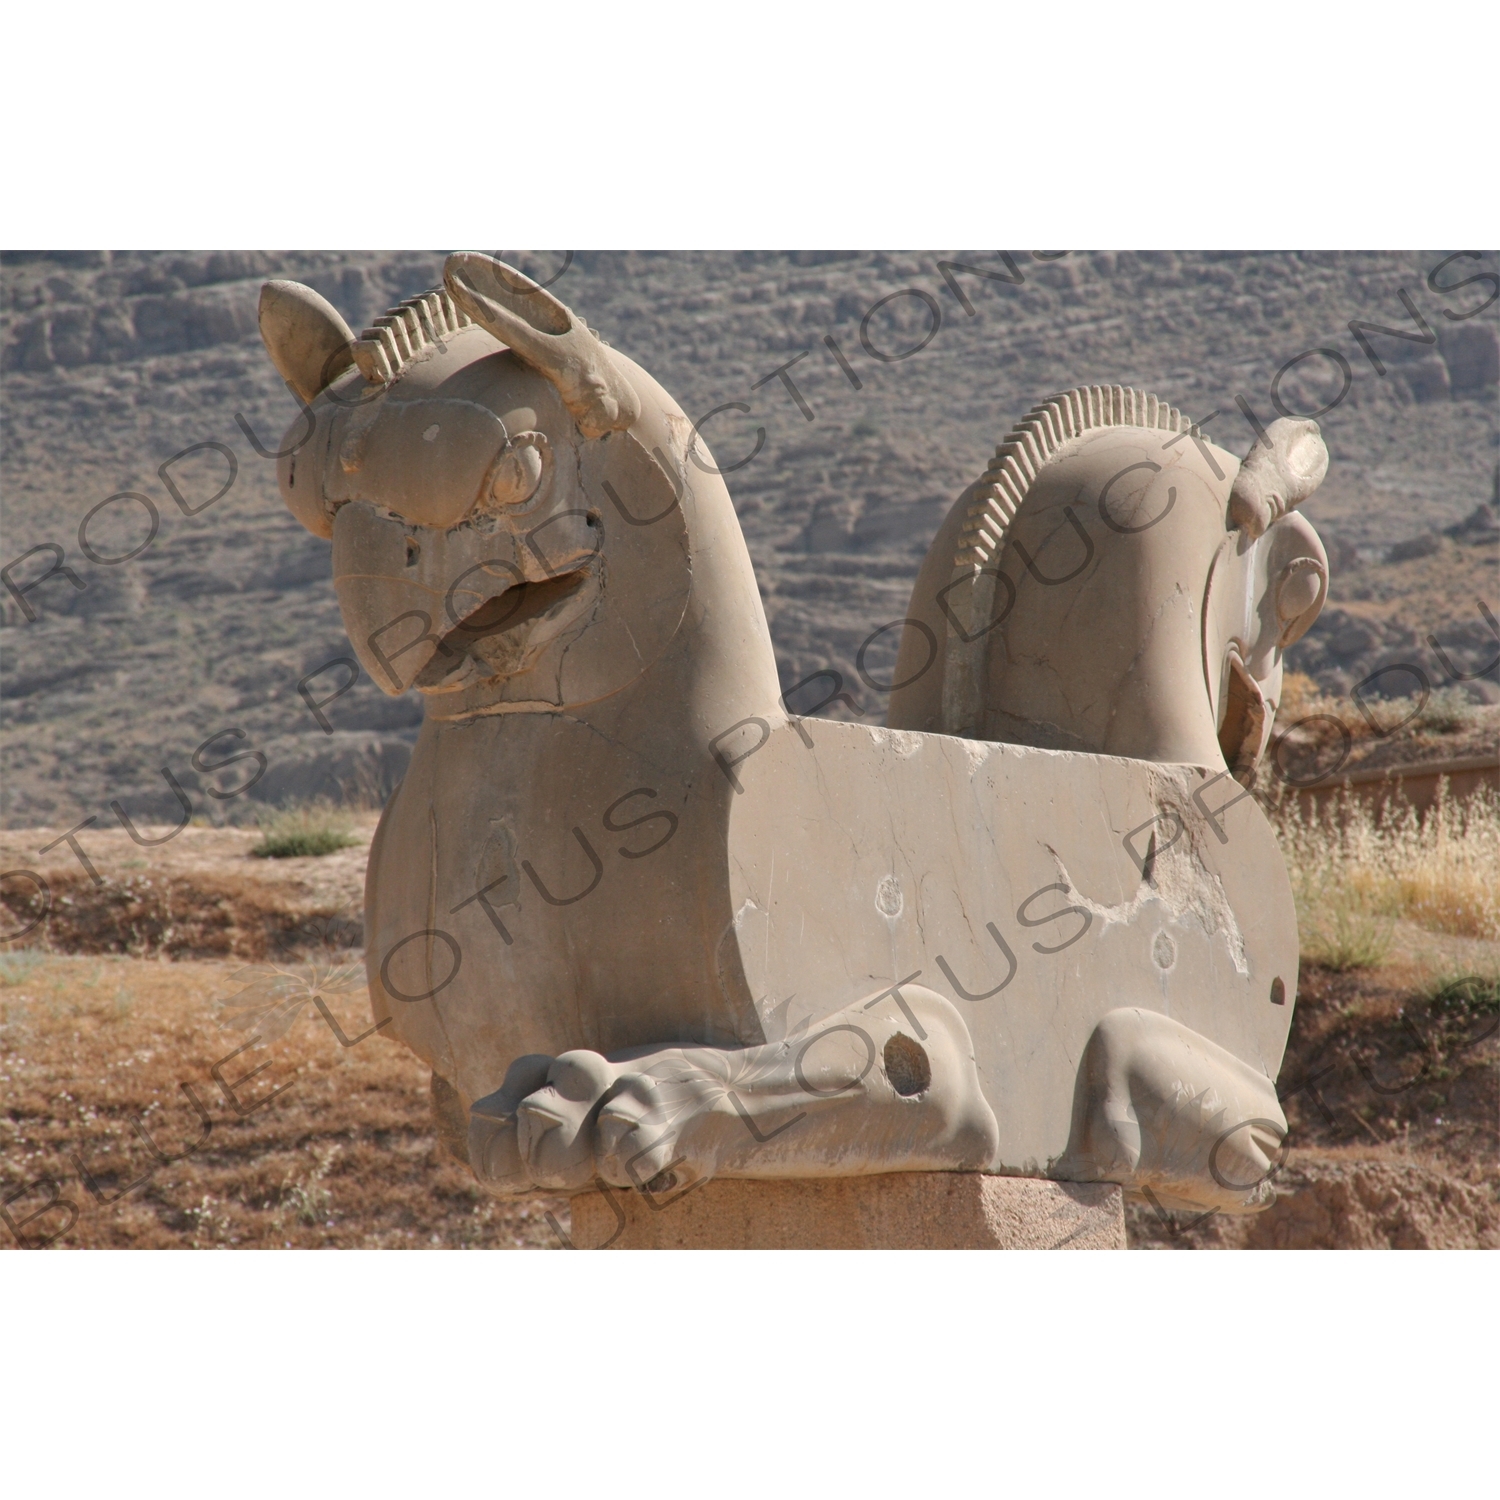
(521, 471)
(1299, 596)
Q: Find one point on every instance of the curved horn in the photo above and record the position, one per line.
(544, 333)
(309, 343)
(1278, 475)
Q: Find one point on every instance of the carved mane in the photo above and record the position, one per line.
(1001, 492)
(397, 337)
(1036, 438)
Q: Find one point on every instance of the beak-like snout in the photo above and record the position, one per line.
(404, 590)
(415, 598)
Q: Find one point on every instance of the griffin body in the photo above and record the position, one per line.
(646, 926)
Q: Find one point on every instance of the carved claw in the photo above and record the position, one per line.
(555, 1125)
(663, 1117)
(494, 1137)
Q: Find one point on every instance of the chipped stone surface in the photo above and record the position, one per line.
(980, 836)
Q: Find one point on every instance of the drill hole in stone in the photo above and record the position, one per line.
(907, 1066)
(1278, 992)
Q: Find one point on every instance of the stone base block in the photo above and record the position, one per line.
(899, 1211)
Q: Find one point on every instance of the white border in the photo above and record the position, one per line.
(740, 1373)
(782, 125)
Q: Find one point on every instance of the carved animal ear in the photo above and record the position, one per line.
(540, 330)
(1297, 574)
(309, 343)
(1277, 475)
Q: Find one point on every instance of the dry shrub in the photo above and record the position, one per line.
(1356, 868)
(1314, 719)
(1298, 694)
(156, 915)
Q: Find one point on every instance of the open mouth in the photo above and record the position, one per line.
(489, 634)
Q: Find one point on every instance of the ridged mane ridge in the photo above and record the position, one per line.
(396, 338)
(1034, 440)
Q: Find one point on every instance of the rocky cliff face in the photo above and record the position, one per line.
(882, 382)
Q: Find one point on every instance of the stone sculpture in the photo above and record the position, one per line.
(649, 928)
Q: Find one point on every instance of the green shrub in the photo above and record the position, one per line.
(301, 832)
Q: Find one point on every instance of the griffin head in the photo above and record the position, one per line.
(461, 455)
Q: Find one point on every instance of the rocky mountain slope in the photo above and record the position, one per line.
(142, 373)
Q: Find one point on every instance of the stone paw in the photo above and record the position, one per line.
(1173, 1118)
(536, 1129)
(560, 1123)
(886, 1086)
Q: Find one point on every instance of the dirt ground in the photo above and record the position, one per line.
(127, 1110)
(1391, 1087)
(127, 1118)
(134, 1115)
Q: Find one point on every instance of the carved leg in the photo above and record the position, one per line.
(888, 1089)
(1159, 1107)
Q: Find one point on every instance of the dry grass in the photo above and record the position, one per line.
(1357, 869)
(91, 1048)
